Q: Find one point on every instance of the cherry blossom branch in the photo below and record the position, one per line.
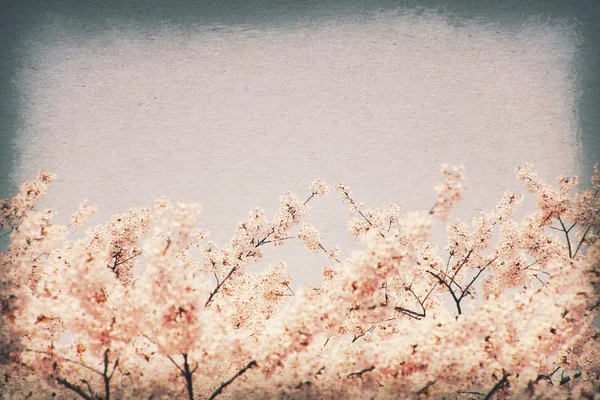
(414, 314)
(116, 258)
(88, 386)
(289, 288)
(307, 200)
(353, 202)
(361, 213)
(359, 373)
(463, 292)
(567, 235)
(425, 389)
(466, 291)
(586, 231)
(271, 241)
(463, 263)
(106, 376)
(356, 337)
(327, 252)
(65, 359)
(264, 240)
(475, 393)
(74, 388)
(451, 253)
(187, 374)
(501, 383)
(582, 240)
(219, 285)
(442, 281)
(177, 365)
(547, 377)
(258, 244)
(364, 216)
(241, 372)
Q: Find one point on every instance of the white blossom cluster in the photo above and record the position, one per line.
(505, 311)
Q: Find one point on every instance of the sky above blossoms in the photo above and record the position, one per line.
(231, 117)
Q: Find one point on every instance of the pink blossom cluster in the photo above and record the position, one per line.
(450, 192)
(143, 308)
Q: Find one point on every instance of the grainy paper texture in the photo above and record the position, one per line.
(232, 116)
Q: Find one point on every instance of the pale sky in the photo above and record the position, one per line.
(231, 116)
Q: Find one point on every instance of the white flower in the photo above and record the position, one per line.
(310, 237)
(319, 187)
(83, 215)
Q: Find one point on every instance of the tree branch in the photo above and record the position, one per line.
(497, 386)
(74, 388)
(356, 337)
(582, 240)
(219, 285)
(442, 281)
(359, 373)
(65, 359)
(220, 389)
(462, 264)
(106, 376)
(464, 292)
(425, 389)
(566, 235)
(414, 314)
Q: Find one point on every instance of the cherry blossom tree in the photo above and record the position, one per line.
(143, 307)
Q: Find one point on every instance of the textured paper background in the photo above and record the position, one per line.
(231, 115)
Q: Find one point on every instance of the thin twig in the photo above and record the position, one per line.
(219, 285)
(566, 235)
(497, 386)
(442, 281)
(356, 337)
(414, 314)
(220, 389)
(463, 263)
(359, 373)
(475, 393)
(464, 292)
(582, 240)
(74, 388)
(426, 387)
(89, 387)
(65, 359)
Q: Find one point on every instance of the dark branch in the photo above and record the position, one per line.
(442, 281)
(74, 388)
(307, 200)
(462, 264)
(566, 235)
(547, 377)
(426, 388)
(356, 337)
(219, 285)
(65, 359)
(497, 387)
(359, 373)
(241, 372)
(89, 387)
(475, 393)
(106, 376)
(188, 376)
(582, 240)
(464, 292)
(414, 314)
